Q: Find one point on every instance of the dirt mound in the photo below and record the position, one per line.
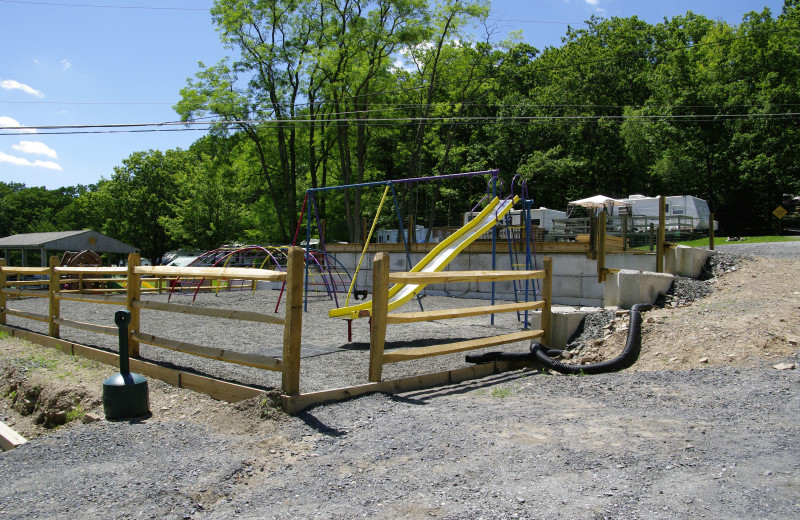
(44, 389)
(746, 317)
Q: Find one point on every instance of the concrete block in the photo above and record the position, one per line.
(480, 262)
(671, 260)
(690, 261)
(456, 287)
(505, 288)
(566, 286)
(499, 288)
(628, 261)
(397, 262)
(565, 321)
(629, 287)
(591, 288)
(268, 286)
(459, 263)
(573, 265)
(651, 284)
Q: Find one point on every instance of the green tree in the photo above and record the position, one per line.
(139, 200)
(209, 211)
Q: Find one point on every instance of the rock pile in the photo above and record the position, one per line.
(586, 344)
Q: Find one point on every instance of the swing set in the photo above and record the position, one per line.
(493, 187)
(389, 186)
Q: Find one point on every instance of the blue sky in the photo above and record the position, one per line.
(106, 62)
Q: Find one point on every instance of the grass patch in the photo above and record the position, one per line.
(501, 392)
(43, 360)
(703, 242)
(76, 413)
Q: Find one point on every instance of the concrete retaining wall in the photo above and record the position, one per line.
(575, 287)
(574, 275)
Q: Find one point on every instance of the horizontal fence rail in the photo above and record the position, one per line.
(381, 317)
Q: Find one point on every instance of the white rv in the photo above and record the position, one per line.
(541, 218)
(679, 207)
(541, 222)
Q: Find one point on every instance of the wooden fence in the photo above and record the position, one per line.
(131, 278)
(381, 317)
(55, 278)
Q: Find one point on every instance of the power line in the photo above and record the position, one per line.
(398, 106)
(541, 22)
(98, 6)
(85, 102)
(206, 125)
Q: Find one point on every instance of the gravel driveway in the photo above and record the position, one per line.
(714, 443)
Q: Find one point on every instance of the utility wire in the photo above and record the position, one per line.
(97, 6)
(471, 120)
(378, 107)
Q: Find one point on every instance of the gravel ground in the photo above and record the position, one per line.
(713, 443)
(698, 444)
(330, 361)
(787, 250)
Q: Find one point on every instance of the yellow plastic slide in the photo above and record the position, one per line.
(438, 258)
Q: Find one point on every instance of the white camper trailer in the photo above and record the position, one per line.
(541, 219)
(681, 208)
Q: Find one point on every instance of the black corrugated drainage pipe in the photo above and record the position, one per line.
(543, 355)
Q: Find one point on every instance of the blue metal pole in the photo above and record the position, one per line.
(403, 234)
(308, 246)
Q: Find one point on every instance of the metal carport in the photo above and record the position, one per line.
(56, 242)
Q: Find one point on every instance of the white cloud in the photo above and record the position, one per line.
(36, 148)
(66, 64)
(594, 4)
(8, 122)
(19, 161)
(10, 84)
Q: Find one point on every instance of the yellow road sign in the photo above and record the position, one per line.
(779, 212)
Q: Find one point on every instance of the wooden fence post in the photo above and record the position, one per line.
(380, 308)
(293, 322)
(711, 231)
(624, 233)
(3, 285)
(54, 304)
(601, 247)
(662, 222)
(133, 294)
(547, 296)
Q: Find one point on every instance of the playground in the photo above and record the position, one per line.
(226, 296)
(210, 325)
